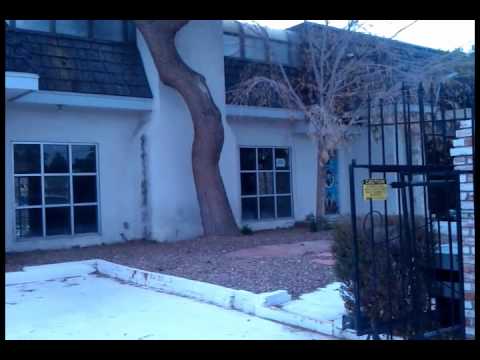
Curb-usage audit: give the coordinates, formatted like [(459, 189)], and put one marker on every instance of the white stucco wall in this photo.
[(277, 132), (119, 167), (358, 150), (175, 213)]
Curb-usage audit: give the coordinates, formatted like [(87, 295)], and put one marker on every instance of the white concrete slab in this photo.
[(322, 304), (89, 306), (50, 271)]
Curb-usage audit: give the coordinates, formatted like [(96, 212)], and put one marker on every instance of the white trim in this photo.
[(88, 100), (21, 81), (240, 111)]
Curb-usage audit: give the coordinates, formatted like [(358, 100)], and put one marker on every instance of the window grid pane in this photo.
[(28, 190), (55, 158), (28, 223), (57, 220), (27, 158), (108, 30), (72, 27), (279, 52), (35, 25), (231, 45), (255, 49), (85, 219), (53, 213)]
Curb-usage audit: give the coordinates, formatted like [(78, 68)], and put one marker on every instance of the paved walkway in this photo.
[(92, 307)]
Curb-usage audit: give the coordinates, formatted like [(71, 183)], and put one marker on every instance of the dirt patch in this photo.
[(285, 250), (215, 259)]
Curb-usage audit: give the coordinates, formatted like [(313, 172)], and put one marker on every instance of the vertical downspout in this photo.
[(146, 232)]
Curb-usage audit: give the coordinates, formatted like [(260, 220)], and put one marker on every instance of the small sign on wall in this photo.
[(374, 189), (280, 163)]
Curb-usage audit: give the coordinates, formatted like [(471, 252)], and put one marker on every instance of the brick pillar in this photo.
[(463, 160)]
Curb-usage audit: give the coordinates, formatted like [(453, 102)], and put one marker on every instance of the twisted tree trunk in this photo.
[(216, 214), (322, 159)]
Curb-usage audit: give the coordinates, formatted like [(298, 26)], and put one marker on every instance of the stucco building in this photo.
[(98, 150)]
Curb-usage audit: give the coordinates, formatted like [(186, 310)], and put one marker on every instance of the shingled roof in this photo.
[(77, 65)]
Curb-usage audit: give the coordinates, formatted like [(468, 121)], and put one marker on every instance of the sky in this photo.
[(436, 34)]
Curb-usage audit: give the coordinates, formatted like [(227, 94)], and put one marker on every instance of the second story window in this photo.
[(255, 49), (231, 45), (108, 30), (241, 41), (72, 27), (279, 52), (36, 25)]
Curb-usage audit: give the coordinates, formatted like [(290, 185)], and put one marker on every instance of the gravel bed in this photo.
[(205, 259)]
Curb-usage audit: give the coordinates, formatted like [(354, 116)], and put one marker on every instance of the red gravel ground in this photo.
[(215, 260)]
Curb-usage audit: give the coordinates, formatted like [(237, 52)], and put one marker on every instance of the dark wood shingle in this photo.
[(77, 65)]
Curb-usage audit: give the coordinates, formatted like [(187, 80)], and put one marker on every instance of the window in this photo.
[(295, 54), (110, 30), (72, 27), (279, 52), (255, 49), (265, 176), (55, 189), (36, 25), (231, 45)]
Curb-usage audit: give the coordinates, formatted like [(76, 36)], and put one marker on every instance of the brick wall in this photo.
[(463, 160)]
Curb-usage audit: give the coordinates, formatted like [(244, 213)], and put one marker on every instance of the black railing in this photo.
[(406, 273)]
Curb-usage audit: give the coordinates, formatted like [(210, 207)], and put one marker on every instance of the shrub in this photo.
[(245, 230), (323, 223), (317, 224), (386, 281), (312, 224)]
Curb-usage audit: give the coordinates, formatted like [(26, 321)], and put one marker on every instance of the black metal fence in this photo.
[(408, 265)]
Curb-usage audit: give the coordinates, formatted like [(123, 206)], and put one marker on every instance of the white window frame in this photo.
[(43, 206), (274, 194)]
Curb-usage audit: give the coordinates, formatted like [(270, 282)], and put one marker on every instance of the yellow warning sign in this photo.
[(375, 189)]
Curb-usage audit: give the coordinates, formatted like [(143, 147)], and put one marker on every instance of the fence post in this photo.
[(462, 153)]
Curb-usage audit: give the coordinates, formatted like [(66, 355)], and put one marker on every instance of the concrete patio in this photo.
[(70, 302)]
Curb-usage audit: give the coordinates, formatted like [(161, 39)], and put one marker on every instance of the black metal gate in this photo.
[(407, 264)]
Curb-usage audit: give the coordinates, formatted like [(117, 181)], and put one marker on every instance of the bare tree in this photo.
[(216, 214), (339, 69)]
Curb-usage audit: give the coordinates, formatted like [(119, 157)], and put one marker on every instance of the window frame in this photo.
[(43, 206), (275, 195), (90, 34), (242, 36)]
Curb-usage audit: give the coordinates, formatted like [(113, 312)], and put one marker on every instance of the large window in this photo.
[(72, 27), (231, 45), (255, 49), (55, 189), (110, 30), (279, 52), (266, 190), (35, 25)]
